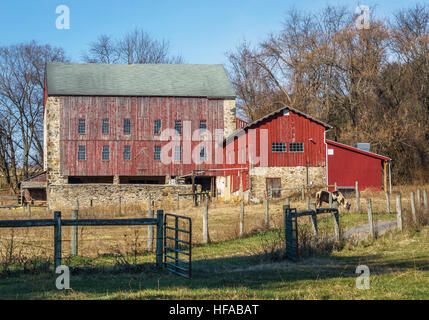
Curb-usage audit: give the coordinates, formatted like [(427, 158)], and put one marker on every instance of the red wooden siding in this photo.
[(239, 123), (284, 128), (142, 111), (348, 165)]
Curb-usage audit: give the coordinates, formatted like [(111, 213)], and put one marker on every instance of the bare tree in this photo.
[(372, 84), (135, 47), (103, 50), (22, 72)]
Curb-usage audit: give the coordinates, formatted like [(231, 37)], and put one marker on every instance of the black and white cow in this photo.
[(323, 196)]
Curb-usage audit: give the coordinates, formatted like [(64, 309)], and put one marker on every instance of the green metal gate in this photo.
[(291, 233), (178, 245)]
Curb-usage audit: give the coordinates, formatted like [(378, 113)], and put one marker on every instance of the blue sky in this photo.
[(201, 31)]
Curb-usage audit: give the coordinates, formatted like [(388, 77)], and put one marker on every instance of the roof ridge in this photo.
[(236, 132)]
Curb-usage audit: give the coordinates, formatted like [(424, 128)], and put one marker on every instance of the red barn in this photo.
[(347, 164), (296, 154), (112, 124), (284, 148)]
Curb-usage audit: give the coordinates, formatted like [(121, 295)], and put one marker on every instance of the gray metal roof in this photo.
[(181, 80)]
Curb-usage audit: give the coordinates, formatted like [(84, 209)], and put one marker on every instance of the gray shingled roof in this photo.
[(183, 80)]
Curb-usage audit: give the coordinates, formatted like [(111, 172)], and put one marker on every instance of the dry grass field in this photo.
[(29, 243), (240, 268)]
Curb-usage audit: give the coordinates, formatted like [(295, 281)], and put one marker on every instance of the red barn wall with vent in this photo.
[(281, 128), (285, 128)]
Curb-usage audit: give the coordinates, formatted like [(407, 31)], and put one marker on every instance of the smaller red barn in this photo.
[(346, 165)]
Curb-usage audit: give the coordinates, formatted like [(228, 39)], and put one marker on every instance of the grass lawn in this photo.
[(245, 269)]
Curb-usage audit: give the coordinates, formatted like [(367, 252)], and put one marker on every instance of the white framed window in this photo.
[(177, 153), (81, 153), (296, 147), (81, 127), (105, 153), (127, 152), (278, 147)]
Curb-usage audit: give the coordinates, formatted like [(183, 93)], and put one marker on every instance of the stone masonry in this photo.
[(52, 141), (229, 110), (290, 177), (64, 196)]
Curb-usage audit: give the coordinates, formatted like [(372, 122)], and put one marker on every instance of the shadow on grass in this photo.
[(249, 272)]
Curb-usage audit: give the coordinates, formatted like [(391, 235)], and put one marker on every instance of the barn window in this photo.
[(278, 147), (157, 127), (203, 125), (105, 126), (81, 128), (106, 153), (81, 153), (177, 153), (127, 153), (285, 112), (178, 126), (157, 153), (296, 147), (203, 154), (127, 126)]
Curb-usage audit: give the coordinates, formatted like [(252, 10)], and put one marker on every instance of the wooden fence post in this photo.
[(23, 209), (387, 202), (307, 206), (159, 237), (357, 198), (267, 213), (287, 202), (302, 192), (336, 217), (314, 225), (399, 212), (330, 200), (241, 218), (336, 186), (74, 235), (57, 239), (419, 198), (425, 198), (413, 207), (120, 205), (29, 209), (150, 213), (370, 220), (206, 236)]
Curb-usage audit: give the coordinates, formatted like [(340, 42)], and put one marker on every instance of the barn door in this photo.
[(274, 183)]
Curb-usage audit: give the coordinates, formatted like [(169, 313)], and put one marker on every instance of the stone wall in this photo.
[(229, 111), (290, 177), (52, 141), (64, 196)]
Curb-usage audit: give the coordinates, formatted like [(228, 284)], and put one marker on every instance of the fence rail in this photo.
[(57, 223), (11, 198)]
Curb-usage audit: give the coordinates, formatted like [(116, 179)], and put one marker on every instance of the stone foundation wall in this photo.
[(52, 141), (64, 196), (290, 177)]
